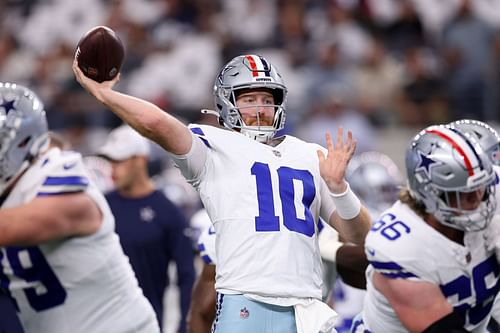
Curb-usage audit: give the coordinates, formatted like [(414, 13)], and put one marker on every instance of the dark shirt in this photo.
[(9, 322), (152, 233)]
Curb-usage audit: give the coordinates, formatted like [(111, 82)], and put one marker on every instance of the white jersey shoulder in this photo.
[(264, 202), (80, 284), (401, 245)]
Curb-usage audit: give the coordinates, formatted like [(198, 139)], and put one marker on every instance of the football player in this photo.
[(376, 179), (431, 269), (263, 194), (489, 140), (61, 261), (349, 260)]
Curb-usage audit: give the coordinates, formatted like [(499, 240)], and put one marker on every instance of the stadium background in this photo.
[(383, 68)]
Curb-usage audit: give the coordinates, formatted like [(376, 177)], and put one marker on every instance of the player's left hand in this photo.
[(333, 166)]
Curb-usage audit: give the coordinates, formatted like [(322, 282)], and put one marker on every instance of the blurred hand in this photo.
[(333, 166)]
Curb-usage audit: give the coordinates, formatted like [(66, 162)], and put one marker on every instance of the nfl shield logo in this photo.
[(244, 314)]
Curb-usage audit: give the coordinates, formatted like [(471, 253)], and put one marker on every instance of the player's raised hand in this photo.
[(93, 87), (334, 165)]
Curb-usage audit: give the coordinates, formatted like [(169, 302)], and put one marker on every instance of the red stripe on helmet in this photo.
[(457, 147), (253, 65)]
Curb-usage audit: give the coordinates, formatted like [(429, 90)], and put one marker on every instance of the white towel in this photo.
[(314, 317)]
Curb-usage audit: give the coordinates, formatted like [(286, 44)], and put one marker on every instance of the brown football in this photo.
[(100, 54)]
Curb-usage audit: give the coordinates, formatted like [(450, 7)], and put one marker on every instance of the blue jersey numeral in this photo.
[(267, 220), (463, 286), (52, 292), (389, 227)]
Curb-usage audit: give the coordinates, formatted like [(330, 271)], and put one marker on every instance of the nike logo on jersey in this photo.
[(68, 166), (370, 251)]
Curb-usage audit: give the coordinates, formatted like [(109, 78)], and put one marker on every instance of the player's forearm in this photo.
[(47, 219), (354, 230), (23, 226), (149, 120)]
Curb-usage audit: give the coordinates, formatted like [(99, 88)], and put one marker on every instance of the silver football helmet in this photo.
[(376, 179), (23, 131), (442, 163), (486, 136), (249, 72)]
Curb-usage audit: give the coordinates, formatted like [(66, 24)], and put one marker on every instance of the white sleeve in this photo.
[(327, 204), (193, 163)]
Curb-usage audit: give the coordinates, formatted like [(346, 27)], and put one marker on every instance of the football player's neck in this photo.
[(451, 233)]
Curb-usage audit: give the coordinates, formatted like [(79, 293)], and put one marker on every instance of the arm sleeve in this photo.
[(193, 163), (327, 204)]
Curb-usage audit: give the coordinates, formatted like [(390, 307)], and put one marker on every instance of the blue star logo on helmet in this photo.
[(426, 163), (8, 106)]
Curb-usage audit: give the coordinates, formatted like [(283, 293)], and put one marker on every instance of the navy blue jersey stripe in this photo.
[(68, 180), (48, 194), (399, 275), (201, 247), (198, 131), (386, 265)]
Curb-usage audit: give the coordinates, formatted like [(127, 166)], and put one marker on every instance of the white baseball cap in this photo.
[(123, 143)]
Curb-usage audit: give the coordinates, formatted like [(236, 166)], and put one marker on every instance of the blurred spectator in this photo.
[(468, 53), (246, 24), (422, 101), (151, 227), (16, 64), (173, 48), (336, 21), (407, 31), (334, 109), (291, 34), (377, 83)]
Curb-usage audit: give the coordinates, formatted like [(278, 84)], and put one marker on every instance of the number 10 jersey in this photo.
[(265, 203)]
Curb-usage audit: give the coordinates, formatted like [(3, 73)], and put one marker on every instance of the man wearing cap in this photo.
[(150, 226)]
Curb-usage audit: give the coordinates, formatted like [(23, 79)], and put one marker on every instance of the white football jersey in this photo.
[(401, 245), (264, 203), (79, 284)]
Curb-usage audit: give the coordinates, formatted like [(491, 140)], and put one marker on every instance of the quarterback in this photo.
[(263, 195)]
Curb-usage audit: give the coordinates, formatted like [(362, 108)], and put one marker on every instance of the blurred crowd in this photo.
[(365, 64)]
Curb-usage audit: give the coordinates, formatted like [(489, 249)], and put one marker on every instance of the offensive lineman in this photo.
[(60, 258)]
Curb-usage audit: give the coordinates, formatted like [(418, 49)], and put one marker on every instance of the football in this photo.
[(100, 54)]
